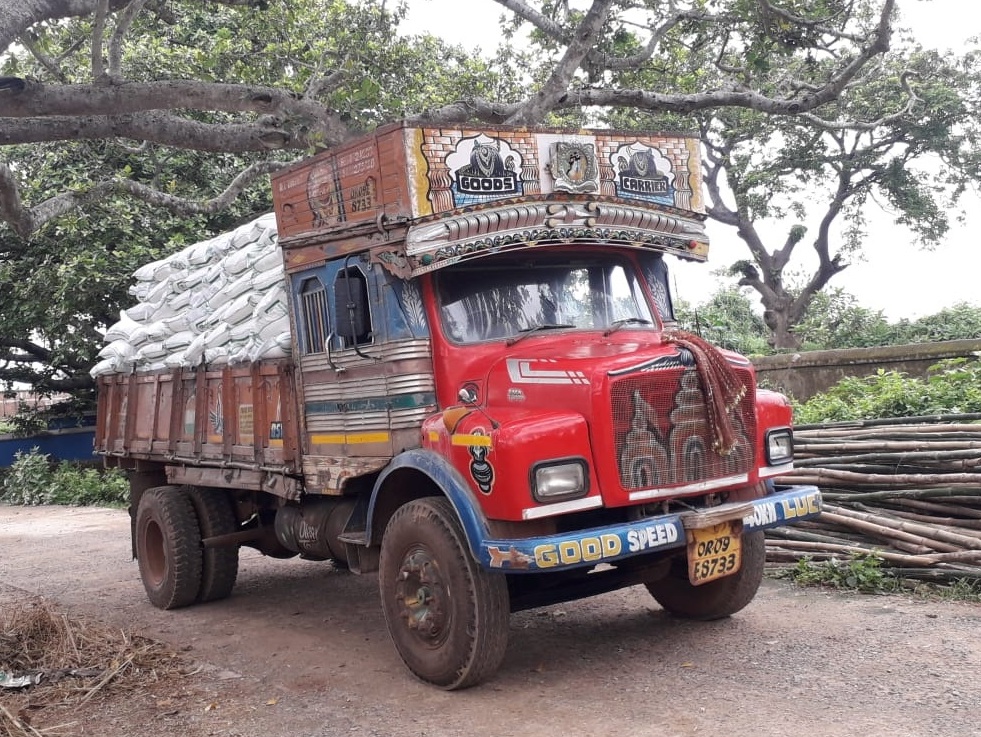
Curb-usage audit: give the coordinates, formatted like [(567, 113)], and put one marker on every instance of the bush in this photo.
[(953, 387), (862, 573), (32, 480), (27, 422)]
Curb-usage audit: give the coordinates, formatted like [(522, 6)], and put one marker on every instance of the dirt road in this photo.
[(300, 649)]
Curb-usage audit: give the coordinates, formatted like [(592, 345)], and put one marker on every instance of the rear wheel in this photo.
[(715, 599), (168, 547), (447, 616), (219, 566)]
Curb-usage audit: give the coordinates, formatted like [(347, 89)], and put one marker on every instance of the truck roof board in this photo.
[(407, 176)]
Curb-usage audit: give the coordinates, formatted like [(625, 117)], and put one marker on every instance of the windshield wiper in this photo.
[(617, 324), (525, 332)]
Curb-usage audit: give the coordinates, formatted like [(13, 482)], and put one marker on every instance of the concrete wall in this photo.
[(10, 404), (802, 375)]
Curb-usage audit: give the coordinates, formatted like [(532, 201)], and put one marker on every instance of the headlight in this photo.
[(559, 480), (779, 447)]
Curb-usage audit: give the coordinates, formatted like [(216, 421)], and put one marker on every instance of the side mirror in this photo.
[(351, 308)]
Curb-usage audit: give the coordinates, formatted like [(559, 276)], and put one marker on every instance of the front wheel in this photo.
[(447, 616), (715, 599)]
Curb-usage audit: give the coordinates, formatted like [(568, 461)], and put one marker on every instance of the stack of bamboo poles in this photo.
[(908, 490)]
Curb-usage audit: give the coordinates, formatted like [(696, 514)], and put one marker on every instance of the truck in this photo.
[(487, 401)]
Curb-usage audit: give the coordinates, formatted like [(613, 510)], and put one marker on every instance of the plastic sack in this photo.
[(219, 301)]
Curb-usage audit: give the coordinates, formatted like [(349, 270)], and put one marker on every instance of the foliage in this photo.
[(861, 572), (32, 480), (961, 589), (865, 574), (789, 183), (26, 422), (60, 293), (32, 420), (834, 319), (959, 322), (953, 386), (798, 105), (63, 287), (727, 319)]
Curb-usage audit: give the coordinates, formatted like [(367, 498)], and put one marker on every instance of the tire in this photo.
[(219, 566), (716, 599), (168, 547), (447, 616)]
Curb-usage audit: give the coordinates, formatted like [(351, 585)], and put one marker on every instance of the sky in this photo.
[(895, 275)]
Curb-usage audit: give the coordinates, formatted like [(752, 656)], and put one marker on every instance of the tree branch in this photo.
[(124, 22), (713, 164), (41, 100), (25, 220), (608, 62), (619, 64), (43, 59), (32, 352), (320, 84), (42, 382), (542, 22), (98, 33), (263, 135), (681, 103), (16, 18), (12, 209), (183, 206), (821, 26), (486, 111), (555, 88), (912, 100)]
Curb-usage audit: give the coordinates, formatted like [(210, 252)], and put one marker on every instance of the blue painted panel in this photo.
[(786, 505), (72, 445), (653, 534)]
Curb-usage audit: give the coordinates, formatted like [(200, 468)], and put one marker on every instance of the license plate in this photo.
[(714, 552)]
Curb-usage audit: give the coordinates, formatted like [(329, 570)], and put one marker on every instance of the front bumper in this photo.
[(649, 535)]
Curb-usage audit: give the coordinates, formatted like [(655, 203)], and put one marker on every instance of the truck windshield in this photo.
[(505, 297)]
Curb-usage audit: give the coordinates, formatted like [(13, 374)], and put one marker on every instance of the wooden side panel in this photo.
[(394, 191), (353, 184), (241, 416)]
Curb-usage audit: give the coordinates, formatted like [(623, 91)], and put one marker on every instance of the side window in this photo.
[(656, 275), (352, 312), (313, 298)]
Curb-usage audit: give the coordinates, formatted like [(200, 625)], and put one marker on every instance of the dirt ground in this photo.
[(300, 649)]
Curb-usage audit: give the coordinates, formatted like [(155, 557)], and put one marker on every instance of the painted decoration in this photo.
[(643, 172), (573, 167), (462, 191), (483, 169)]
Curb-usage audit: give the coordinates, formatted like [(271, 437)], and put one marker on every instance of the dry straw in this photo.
[(73, 661)]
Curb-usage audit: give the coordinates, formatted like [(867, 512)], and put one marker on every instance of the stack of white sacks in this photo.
[(221, 301)]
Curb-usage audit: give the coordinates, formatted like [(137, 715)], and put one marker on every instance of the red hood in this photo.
[(557, 370)]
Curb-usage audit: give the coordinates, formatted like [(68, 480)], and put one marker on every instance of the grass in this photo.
[(865, 574)]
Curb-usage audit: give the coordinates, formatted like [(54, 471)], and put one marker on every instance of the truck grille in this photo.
[(661, 428)]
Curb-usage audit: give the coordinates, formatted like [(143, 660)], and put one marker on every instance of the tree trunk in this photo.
[(781, 325)]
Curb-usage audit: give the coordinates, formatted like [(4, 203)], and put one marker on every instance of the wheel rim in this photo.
[(154, 557), (421, 597)]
